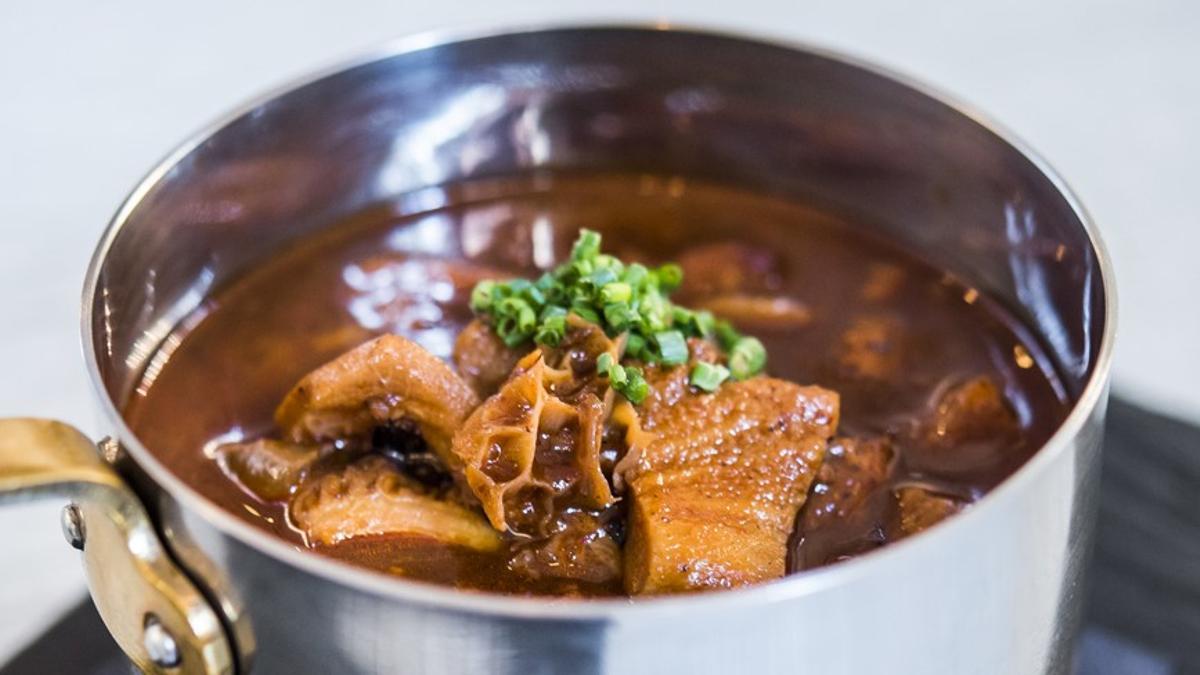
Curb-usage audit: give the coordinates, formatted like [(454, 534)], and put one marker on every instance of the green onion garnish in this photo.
[(551, 331), (587, 246), (636, 388), (481, 296), (669, 277), (623, 299), (616, 291), (747, 358), (672, 349), (708, 376)]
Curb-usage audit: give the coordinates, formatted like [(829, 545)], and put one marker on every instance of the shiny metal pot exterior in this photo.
[(995, 590)]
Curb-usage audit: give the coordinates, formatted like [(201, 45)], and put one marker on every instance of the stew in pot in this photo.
[(596, 385)]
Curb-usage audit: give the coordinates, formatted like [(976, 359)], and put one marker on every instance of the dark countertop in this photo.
[(1143, 600)]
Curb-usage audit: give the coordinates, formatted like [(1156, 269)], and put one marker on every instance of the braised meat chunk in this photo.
[(371, 497), (872, 348), (974, 410), (715, 494), (389, 379), (729, 267), (921, 509), (582, 548), (967, 428), (482, 358), (846, 507), (268, 468)]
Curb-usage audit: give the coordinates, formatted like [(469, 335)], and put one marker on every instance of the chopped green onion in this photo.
[(580, 269), (747, 358), (535, 295), (672, 348), (481, 296), (628, 302), (586, 246), (519, 286), (708, 376), (669, 277), (551, 331), (509, 335), (605, 261), (585, 312), (693, 324), (636, 388), (602, 277), (635, 346), (604, 362), (653, 310), (635, 274), (519, 309), (615, 291), (727, 336), (618, 377), (619, 317)]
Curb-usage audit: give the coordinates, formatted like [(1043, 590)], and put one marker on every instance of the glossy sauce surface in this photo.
[(891, 334)]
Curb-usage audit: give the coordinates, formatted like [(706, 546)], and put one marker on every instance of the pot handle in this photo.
[(155, 613)]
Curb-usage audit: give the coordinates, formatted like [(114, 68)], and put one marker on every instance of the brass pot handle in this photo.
[(156, 614)]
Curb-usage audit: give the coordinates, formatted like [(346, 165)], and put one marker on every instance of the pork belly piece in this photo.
[(848, 501), (921, 509), (482, 358), (268, 468), (715, 494), (372, 497), (387, 380)]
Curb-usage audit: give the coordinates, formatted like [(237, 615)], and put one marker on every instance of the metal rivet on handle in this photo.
[(159, 643), (72, 525)]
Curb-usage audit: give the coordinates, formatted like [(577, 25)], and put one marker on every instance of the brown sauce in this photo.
[(891, 334)]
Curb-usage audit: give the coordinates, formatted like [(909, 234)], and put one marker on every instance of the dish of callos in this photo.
[(597, 385)]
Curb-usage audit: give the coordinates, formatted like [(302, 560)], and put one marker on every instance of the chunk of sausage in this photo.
[(715, 494), (372, 497), (389, 379)]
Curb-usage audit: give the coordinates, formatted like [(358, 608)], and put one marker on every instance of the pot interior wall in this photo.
[(782, 121)]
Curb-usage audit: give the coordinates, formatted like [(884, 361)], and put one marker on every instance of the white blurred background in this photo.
[(93, 92)]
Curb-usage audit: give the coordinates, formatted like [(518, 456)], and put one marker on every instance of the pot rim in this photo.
[(486, 604)]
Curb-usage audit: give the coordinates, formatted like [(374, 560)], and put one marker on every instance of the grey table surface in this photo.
[(92, 92)]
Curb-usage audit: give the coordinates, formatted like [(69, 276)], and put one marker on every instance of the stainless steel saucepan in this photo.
[(184, 586)]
